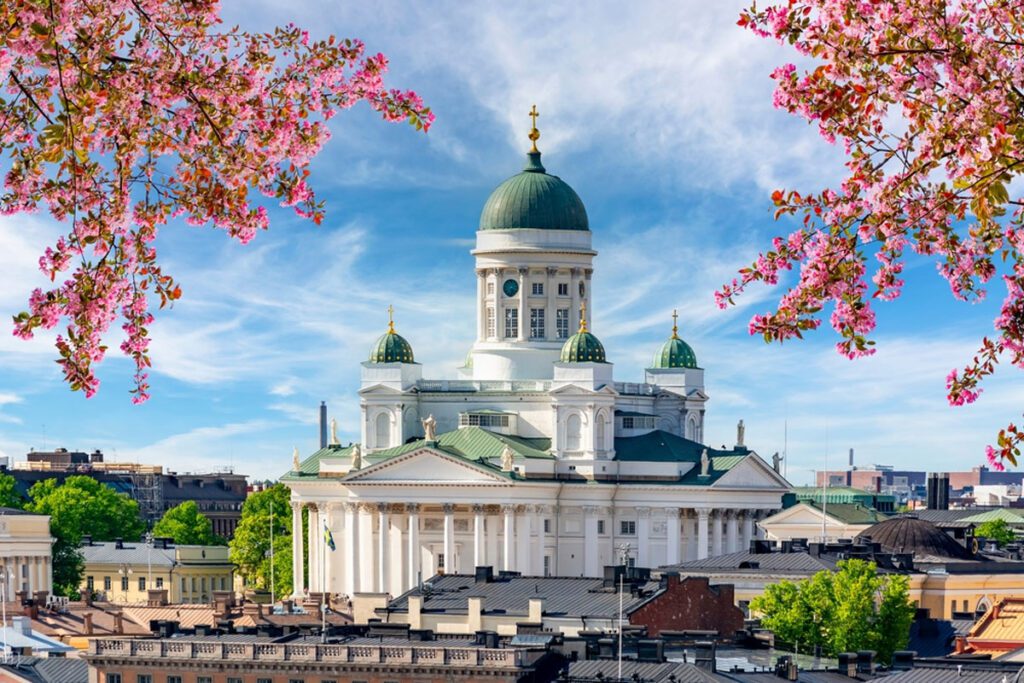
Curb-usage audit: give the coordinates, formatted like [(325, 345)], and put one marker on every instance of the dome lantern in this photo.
[(391, 347), (675, 353)]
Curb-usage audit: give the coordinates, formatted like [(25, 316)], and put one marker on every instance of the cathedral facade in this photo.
[(533, 458)]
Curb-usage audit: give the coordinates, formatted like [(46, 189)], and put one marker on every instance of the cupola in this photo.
[(391, 347), (675, 353), (583, 347)]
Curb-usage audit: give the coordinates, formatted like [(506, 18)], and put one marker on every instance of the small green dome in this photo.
[(675, 353), (583, 347), (534, 199), (391, 347)]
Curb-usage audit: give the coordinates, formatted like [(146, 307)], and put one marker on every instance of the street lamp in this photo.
[(125, 571), (149, 559), (624, 555)]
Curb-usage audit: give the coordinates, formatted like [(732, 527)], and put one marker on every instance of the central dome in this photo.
[(534, 199), (912, 535)]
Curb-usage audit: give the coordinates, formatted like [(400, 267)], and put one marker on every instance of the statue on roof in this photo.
[(295, 459), (776, 461), (429, 428), (507, 458), (741, 431), (357, 457), (334, 432), (705, 464)]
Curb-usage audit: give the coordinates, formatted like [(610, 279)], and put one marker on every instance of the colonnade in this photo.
[(390, 547), (26, 572)]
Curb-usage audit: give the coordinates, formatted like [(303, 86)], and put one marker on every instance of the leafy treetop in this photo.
[(186, 525)]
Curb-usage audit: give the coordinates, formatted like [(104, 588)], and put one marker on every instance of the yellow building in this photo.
[(26, 561), (123, 572)]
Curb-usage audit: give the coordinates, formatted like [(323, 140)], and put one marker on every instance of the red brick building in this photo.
[(690, 604)]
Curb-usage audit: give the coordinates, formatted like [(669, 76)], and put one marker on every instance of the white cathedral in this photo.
[(534, 459)]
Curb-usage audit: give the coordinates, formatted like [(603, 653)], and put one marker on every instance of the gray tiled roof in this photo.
[(757, 563), (570, 597), (131, 553), (49, 669), (934, 637), (647, 671), (949, 674)]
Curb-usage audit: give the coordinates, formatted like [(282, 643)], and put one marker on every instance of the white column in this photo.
[(414, 543), (351, 546), (523, 527), (643, 536), (574, 290), (732, 537), (479, 551), (499, 304), (716, 533), (758, 531), (540, 513), (382, 548), (550, 317), (327, 559), (524, 310), (508, 541), (591, 556), (298, 563), (481, 305), (367, 550), (702, 533), (748, 529), (689, 522), (672, 536), (493, 540), (449, 539), (314, 547), (398, 565)]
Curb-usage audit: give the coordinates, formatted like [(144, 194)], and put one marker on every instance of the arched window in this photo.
[(601, 432), (573, 427), (383, 425), (691, 429)]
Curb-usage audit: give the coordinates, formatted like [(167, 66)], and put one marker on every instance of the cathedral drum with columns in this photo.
[(534, 458)]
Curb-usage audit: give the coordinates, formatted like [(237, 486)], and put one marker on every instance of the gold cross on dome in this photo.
[(583, 316), (391, 318), (534, 133), (675, 326)]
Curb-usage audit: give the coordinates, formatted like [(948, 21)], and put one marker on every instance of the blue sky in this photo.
[(659, 117)]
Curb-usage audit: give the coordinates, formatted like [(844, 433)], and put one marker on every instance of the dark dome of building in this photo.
[(913, 535)]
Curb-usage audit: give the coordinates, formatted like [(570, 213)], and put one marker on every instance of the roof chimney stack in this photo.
[(323, 424), (851, 458)]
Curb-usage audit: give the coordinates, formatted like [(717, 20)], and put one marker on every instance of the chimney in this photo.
[(41, 597), (960, 645), (866, 661), (85, 595), (323, 424), (484, 574), (119, 543), (474, 612), (156, 597), (536, 610), (30, 609), (704, 656), (22, 625), (287, 605), (87, 623), (118, 623), (415, 611), (848, 664), (253, 609), (851, 458)]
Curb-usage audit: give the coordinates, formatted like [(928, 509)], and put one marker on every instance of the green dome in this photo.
[(534, 199), (583, 347), (391, 347), (675, 353)]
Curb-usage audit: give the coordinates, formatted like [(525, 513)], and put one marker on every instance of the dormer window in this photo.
[(491, 420), (629, 421)]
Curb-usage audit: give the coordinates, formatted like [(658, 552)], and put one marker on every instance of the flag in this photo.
[(328, 537)]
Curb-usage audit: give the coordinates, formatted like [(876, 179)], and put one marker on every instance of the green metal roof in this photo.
[(391, 347), (675, 353), (474, 443), (1008, 516), (662, 446), (840, 494), (534, 199), (848, 513), (583, 347), (310, 467)]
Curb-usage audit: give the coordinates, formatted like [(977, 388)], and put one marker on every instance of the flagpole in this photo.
[(272, 601), (323, 588)]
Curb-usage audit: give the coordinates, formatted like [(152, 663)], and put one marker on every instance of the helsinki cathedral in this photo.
[(533, 458)]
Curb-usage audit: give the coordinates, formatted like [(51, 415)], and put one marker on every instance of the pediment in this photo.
[(381, 389), (752, 472), (426, 466), (697, 393), (800, 513), (577, 389)]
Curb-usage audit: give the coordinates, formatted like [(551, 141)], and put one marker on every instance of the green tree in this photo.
[(187, 526), (9, 496), (850, 609), (79, 506), (996, 530), (250, 546)]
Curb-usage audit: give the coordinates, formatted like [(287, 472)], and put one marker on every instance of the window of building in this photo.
[(573, 433), (159, 582), (490, 288), (563, 289), (124, 583), (483, 420), (627, 527), (184, 585), (204, 679), (296, 680), (89, 583), (440, 561), (638, 422), (600, 526), (142, 583), (562, 323), (538, 289), (113, 678), (492, 325), (264, 680), (144, 678), (383, 430), (234, 680), (202, 585), (547, 563), (174, 679), (511, 323), (536, 323), (547, 526), (223, 583), (106, 583)]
